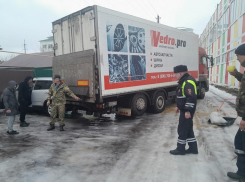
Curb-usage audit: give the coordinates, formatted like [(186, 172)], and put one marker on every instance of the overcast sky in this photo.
[(30, 20)]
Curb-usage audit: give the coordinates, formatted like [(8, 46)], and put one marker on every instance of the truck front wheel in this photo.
[(139, 104), (159, 102)]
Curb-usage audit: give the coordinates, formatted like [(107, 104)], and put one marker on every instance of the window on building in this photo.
[(211, 37), (50, 46), (44, 46), (232, 56), (217, 60), (224, 58), (219, 28), (214, 32), (242, 7), (225, 18), (234, 11), (204, 43)]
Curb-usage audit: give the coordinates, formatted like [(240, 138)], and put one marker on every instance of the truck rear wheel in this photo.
[(202, 92), (138, 104), (159, 101)]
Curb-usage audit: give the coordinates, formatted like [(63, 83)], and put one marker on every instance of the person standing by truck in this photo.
[(11, 105), (24, 98), (186, 104), (240, 108), (58, 92)]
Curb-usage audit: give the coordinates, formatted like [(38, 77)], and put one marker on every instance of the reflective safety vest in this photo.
[(191, 82)]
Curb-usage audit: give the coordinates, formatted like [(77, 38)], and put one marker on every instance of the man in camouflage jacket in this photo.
[(240, 108), (57, 92)]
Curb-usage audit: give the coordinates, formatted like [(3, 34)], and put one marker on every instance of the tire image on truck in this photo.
[(118, 63), (116, 37)]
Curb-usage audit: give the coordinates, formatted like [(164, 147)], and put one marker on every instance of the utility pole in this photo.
[(24, 46), (158, 18)]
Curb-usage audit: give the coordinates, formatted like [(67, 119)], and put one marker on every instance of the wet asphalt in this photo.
[(115, 149)]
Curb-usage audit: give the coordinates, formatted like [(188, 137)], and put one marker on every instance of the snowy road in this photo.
[(121, 150)]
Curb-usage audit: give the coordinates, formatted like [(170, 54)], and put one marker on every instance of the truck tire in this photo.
[(138, 104), (159, 102), (202, 92)]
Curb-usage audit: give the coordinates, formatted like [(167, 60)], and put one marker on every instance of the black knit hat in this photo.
[(180, 68), (56, 76), (240, 50)]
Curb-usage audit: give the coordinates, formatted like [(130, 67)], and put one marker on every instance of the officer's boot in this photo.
[(52, 127), (62, 128), (240, 174), (192, 148), (177, 152)]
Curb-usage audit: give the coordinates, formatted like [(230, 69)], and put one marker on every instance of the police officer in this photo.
[(240, 108), (58, 92), (186, 104)]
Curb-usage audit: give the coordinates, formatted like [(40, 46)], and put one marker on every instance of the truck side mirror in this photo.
[(212, 61)]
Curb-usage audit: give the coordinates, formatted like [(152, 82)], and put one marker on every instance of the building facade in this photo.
[(47, 44), (223, 34)]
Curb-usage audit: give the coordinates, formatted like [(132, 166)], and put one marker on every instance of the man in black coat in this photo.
[(24, 98), (11, 105), (186, 104)]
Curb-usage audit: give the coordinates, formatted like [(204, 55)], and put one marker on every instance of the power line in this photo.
[(86, 2), (149, 8), (143, 8), (152, 6), (131, 4)]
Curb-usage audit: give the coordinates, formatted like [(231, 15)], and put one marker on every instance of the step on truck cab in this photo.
[(119, 63)]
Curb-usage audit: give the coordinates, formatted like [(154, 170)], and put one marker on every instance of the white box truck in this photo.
[(116, 62)]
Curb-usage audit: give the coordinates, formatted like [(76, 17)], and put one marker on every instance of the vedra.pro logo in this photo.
[(157, 38)]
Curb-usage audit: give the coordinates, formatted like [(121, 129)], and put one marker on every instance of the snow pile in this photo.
[(216, 119)]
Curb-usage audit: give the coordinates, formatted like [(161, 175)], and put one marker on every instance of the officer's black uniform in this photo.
[(186, 102), (240, 151)]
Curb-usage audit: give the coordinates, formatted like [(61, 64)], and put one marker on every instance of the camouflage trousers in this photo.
[(60, 111)]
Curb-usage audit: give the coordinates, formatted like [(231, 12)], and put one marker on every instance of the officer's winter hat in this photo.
[(180, 68), (240, 50), (56, 76)]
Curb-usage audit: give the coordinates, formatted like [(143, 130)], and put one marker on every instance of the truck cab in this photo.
[(203, 82)]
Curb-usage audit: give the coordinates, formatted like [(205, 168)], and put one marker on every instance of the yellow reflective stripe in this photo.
[(191, 82)]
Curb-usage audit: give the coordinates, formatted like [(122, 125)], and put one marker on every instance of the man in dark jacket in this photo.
[(24, 98), (240, 108), (186, 104), (11, 105)]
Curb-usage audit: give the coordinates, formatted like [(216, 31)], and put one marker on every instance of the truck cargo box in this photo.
[(101, 53)]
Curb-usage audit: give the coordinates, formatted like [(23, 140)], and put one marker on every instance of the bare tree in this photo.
[(6, 57)]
